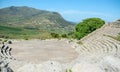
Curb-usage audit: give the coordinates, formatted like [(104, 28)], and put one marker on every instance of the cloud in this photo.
[(77, 12), (77, 15)]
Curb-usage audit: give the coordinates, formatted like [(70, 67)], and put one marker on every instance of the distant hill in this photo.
[(31, 16), (33, 19)]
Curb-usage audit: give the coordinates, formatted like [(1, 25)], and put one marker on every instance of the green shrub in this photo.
[(0, 39), (54, 35), (26, 39), (68, 70), (5, 40), (64, 35), (80, 42), (115, 37), (87, 26)]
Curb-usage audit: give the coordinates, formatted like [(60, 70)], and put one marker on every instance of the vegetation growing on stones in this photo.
[(115, 37), (55, 35)]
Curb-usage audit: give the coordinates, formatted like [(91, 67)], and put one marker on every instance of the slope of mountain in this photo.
[(33, 19), (29, 16)]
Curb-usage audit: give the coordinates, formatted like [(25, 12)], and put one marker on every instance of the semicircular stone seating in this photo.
[(98, 52), (5, 58)]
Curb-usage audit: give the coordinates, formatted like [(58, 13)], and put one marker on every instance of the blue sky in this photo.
[(73, 10)]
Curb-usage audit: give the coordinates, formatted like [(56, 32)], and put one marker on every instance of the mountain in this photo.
[(30, 17), (26, 21)]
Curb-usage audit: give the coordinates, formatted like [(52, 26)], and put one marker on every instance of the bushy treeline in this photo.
[(55, 35), (87, 26), (82, 29)]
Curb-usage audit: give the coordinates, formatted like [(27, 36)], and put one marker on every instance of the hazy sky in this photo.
[(73, 10)]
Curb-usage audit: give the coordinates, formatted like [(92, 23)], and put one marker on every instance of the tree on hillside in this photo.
[(55, 35), (87, 26)]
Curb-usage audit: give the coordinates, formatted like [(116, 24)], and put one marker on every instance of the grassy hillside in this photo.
[(27, 16), (27, 33), (11, 32), (27, 22)]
